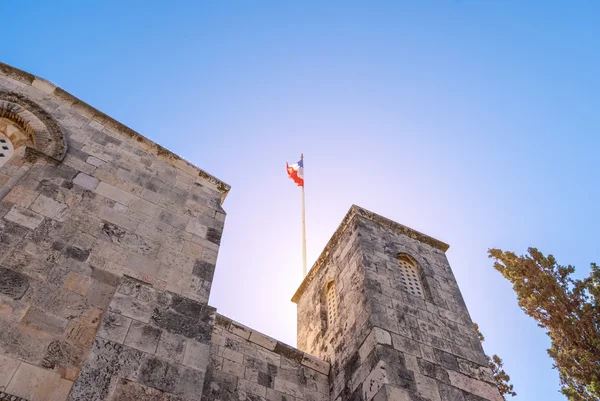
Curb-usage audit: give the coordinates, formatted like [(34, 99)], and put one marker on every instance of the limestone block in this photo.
[(377, 336), (406, 345), (131, 307), (62, 355), (477, 387), (114, 327), (171, 378), (39, 320), (24, 217), (287, 387), (25, 345), (86, 181), (143, 337), (142, 264), (315, 363), (78, 164), (12, 283), (127, 390), (8, 367), (196, 355), (99, 294), (114, 193), (449, 393), (233, 356), (392, 393), (171, 346), (240, 330), (196, 228), (12, 310), (262, 340), (117, 218), (94, 161), (233, 368), (145, 207), (106, 362), (274, 395), (21, 196), (77, 283), (427, 387), (37, 384), (251, 387)]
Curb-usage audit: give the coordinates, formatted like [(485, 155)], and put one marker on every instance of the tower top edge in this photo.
[(367, 214)]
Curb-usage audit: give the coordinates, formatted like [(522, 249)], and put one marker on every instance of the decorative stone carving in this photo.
[(44, 135)]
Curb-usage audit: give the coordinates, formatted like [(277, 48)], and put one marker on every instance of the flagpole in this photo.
[(303, 229)]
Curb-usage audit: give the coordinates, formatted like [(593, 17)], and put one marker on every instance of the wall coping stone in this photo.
[(277, 347), (364, 213), (109, 122)]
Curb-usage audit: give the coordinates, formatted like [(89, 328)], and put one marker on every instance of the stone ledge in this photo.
[(109, 122), (364, 213), (271, 344)]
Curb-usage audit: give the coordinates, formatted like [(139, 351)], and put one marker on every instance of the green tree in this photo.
[(500, 376), (567, 308)]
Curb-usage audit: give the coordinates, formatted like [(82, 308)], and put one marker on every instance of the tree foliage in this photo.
[(567, 308), (502, 379)]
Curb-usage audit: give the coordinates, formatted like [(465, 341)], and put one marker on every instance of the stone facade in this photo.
[(388, 344), (86, 206), (108, 246), (247, 365)]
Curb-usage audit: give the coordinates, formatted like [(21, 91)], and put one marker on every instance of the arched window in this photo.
[(331, 303), (6, 148), (410, 275)]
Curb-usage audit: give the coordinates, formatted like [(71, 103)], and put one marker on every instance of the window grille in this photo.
[(332, 305), (410, 276)]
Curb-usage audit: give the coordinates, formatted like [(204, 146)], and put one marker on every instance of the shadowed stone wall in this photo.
[(411, 347), (247, 365), (84, 201)]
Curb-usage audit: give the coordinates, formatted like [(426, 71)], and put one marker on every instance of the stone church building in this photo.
[(108, 246)]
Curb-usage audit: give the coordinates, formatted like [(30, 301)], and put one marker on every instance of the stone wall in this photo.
[(411, 346), (78, 215), (247, 365), (152, 345)]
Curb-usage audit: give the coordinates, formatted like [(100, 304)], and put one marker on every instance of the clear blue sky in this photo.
[(474, 121)]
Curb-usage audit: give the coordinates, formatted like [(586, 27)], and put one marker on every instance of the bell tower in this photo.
[(382, 306)]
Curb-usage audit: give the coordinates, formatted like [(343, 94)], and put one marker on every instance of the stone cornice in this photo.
[(364, 213), (110, 123)]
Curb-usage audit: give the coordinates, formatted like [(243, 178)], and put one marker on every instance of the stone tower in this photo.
[(382, 306)]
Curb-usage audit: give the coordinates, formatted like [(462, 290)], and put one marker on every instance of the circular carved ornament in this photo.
[(45, 135)]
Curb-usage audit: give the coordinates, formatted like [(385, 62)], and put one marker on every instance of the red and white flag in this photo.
[(296, 172)]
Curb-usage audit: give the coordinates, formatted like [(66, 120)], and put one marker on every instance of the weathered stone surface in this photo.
[(186, 326), (171, 347), (62, 354), (114, 327), (171, 378), (24, 217), (143, 337), (37, 384), (127, 390), (131, 307), (107, 362), (8, 367), (13, 284)]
